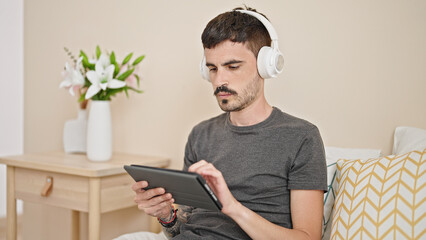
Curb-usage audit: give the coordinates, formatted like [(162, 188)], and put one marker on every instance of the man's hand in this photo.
[(154, 202), (217, 183)]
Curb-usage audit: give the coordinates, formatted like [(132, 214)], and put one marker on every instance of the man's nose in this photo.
[(220, 78)]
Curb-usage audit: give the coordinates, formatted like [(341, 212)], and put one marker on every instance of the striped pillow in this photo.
[(382, 198), (332, 155)]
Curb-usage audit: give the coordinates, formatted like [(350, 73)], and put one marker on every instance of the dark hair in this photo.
[(237, 27)]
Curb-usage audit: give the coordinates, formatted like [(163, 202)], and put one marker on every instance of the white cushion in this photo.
[(407, 139), (142, 236)]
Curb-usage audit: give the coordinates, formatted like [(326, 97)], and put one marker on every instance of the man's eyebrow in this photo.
[(232, 62), (225, 64)]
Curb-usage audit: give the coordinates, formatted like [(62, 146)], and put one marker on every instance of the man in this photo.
[(266, 167)]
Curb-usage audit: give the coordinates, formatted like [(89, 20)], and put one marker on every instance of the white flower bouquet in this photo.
[(102, 77)]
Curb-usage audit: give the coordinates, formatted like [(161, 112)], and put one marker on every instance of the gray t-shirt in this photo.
[(260, 163)]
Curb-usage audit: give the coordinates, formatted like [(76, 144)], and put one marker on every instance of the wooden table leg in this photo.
[(11, 204), (94, 208), (75, 225)]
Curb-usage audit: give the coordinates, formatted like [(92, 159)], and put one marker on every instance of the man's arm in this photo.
[(306, 214), (182, 214), (306, 209)]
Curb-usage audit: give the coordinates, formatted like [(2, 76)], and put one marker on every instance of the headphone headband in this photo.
[(265, 22)]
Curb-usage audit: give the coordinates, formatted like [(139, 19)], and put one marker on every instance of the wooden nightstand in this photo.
[(72, 181)]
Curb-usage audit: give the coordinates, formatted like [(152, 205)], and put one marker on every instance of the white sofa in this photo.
[(370, 196)]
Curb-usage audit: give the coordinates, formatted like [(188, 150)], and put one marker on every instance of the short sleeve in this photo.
[(308, 170), (189, 157)]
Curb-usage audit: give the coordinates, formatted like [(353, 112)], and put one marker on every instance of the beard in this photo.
[(239, 101)]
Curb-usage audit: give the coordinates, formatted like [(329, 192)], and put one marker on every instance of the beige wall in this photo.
[(356, 69)]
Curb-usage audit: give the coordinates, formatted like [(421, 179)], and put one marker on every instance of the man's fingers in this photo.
[(161, 210), (138, 186), (153, 192), (155, 202), (211, 172), (159, 203), (194, 167), (159, 200), (205, 168), (149, 198)]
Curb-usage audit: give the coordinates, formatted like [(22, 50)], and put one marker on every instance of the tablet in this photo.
[(187, 188)]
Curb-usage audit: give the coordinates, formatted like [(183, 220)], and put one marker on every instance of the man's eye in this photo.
[(233, 67), (212, 69)]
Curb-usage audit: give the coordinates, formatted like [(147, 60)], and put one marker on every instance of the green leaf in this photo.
[(82, 97), (138, 60), (102, 95), (87, 83), (136, 90), (125, 90), (138, 79), (111, 92), (85, 61), (88, 65), (116, 69), (96, 97), (125, 74), (112, 58), (127, 58), (98, 52), (82, 54)]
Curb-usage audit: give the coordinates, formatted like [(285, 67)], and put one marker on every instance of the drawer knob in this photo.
[(48, 186)]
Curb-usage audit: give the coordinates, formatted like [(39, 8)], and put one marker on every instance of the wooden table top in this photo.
[(78, 164)]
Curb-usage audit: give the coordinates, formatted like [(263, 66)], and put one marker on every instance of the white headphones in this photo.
[(270, 61)]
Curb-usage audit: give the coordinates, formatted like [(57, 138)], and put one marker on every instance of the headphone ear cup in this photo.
[(270, 62), (262, 61), (204, 70)]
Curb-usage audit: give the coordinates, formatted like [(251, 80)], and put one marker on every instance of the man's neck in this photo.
[(255, 113)]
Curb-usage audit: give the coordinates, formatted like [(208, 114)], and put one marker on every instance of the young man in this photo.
[(266, 167)]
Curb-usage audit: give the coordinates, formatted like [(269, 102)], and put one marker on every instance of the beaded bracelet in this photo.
[(172, 222)]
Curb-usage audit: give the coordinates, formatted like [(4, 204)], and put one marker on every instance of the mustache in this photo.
[(224, 89)]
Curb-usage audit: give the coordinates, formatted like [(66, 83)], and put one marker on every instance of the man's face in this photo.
[(233, 73)]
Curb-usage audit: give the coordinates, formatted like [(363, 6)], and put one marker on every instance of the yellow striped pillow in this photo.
[(381, 198)]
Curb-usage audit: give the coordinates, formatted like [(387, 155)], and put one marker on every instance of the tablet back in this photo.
[(187, 188)]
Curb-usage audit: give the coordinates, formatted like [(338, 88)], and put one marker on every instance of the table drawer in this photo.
[(68, 191), (117, 193)]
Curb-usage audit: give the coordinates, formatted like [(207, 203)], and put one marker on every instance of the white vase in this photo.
[(99, 133), (74, 137)]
